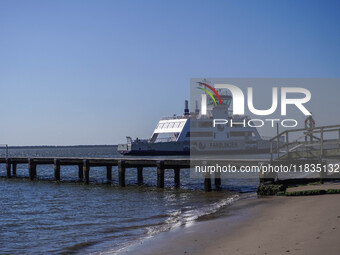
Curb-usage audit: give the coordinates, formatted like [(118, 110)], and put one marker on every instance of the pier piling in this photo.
[(80, 172), (207, 182), (109, 173), (177, 177), (218, 180), (14, 169), (8, 167), (140, 175), (160, 174), (31, 169), (121, 173), (56, 169), (86, 170)]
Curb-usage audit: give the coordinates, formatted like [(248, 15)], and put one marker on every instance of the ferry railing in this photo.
[(171, 139), (175, 117), (311, 139), (137, 140)]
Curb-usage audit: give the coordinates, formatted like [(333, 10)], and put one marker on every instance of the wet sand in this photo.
[(275, 225)]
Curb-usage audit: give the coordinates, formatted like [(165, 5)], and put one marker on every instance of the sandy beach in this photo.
[(274, 225)]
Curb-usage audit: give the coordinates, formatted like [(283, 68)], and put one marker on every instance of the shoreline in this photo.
[(220, 212), (271, 225)]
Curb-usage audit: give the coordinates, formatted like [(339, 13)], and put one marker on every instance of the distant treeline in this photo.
[(56, 146)]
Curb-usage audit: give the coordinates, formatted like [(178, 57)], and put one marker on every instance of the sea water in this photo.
[(45, 217)]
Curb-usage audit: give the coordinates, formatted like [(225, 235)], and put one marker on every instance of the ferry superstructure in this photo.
[(193, 132)]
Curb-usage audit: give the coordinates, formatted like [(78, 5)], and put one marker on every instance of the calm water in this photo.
[(44, 217)]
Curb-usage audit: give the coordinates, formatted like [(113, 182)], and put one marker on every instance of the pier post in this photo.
[(56, 169), (160, 174), (14, 169), (31, 169), (121, 173), (80, 172), (109, 173), (86, 170), (177, 177), (323, 173), (8, 167), (218, 180), (140, 175), (207, 182)]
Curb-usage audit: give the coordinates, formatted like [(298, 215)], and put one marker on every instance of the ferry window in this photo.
[(166, 137), (182, 124), (205, 124), (160, 125), (237, 133), (166, 125), (154, 137), (201, 134), (171, 125), (226, 102), (177, 124)]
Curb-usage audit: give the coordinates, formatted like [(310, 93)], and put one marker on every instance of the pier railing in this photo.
[(310, 143)]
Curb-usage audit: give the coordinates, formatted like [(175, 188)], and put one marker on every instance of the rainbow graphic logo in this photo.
[(209, 93)]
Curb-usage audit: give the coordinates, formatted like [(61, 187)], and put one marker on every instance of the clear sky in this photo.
[(93, 72)]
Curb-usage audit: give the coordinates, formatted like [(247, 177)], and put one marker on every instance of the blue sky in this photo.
[(93, 72)]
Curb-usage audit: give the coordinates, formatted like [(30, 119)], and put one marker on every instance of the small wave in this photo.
[(187, 217), (75, 248), (177, 218)]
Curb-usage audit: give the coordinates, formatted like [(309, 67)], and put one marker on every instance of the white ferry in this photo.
[(193, 132)]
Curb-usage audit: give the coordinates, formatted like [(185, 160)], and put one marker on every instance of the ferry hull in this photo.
[(155, 153), (183, 148), (178, 153)]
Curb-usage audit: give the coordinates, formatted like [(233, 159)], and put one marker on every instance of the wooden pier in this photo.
[(310, 147), (85, 164)]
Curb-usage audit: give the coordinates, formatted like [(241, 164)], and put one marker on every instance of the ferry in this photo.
[(194, 133)]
